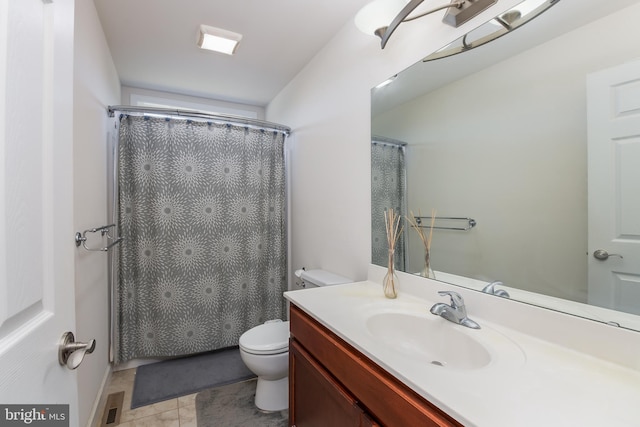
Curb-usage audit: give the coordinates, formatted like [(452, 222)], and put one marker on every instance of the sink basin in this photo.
[(430, 340)]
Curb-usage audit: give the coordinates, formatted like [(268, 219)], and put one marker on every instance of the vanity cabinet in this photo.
[(333, 384)]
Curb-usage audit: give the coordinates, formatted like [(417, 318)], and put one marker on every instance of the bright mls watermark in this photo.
[(34, 415)]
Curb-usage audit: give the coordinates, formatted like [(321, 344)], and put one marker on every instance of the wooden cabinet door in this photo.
[(377, 392), (316, 399)]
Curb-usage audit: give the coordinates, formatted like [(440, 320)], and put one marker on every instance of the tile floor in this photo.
[(180, 412)]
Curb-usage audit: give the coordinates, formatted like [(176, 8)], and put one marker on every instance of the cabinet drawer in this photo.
[(376, 391)]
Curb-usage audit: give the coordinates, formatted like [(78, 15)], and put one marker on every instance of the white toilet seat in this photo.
[(268, 338)]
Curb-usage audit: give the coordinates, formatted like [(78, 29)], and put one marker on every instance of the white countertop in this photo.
[(530, 381)]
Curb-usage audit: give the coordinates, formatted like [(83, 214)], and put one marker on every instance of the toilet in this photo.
[(265, 348)]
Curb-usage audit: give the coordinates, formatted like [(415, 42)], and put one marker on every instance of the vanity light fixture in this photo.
[(377, 18), (503, 24), (218, 40), (386, 82), (516, 13)]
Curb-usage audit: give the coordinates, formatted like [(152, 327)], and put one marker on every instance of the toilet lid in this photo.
[(269, 338)]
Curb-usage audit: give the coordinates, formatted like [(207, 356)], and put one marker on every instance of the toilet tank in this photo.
[(316, 278)]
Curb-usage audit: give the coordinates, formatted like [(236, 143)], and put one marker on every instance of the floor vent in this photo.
[(112, 410)]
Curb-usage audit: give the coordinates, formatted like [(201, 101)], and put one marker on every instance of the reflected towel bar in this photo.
[(470, 222), (81, 238)]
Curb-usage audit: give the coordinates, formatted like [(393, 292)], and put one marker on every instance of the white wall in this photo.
[(328, 107), (172, 100), (96, 85)]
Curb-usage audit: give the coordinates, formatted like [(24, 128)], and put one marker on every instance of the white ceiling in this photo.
[(153, 43)]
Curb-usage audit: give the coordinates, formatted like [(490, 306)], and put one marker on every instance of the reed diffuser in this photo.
[(393, 229), (426, 241)]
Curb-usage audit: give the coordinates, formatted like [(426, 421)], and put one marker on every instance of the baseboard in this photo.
[(135, 363), (95, 417)]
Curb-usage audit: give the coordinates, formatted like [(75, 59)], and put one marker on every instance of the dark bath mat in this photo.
[(178, 377), (233, 406)]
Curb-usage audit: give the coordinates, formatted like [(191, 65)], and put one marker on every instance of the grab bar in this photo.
[(470, 222), (81, 238)]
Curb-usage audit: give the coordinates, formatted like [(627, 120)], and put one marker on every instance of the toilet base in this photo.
[(272, 395)]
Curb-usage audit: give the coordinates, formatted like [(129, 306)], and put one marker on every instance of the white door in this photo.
[(613, 105), (36, 190)]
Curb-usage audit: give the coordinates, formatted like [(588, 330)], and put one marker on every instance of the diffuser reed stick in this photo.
[(393, 230)]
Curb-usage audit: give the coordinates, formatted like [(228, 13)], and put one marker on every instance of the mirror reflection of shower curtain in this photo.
[(202, 213), (388, 190)]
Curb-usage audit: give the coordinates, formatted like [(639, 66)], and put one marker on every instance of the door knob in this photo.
[(71, 353), (603, 255)]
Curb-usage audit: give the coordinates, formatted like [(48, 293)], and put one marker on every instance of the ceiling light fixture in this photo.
[(218, 40), (374, 18)]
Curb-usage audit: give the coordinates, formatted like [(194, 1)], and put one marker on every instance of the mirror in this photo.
[(498, 137)]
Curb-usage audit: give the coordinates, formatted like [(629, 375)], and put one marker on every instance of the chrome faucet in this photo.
[(491, 289), (456, 312)]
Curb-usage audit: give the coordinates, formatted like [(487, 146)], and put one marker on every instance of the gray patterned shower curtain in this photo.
[(388, 190), (202, 213)]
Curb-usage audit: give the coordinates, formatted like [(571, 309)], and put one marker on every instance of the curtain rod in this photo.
[(385, 140), (200, 115)]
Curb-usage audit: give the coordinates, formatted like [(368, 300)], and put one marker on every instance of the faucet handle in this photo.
[(456, 298), (491, 289)]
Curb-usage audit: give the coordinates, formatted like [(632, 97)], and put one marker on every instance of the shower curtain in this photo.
[(202, 213), (388, 190)]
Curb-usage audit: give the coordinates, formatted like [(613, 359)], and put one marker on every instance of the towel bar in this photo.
[(81, 238)]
